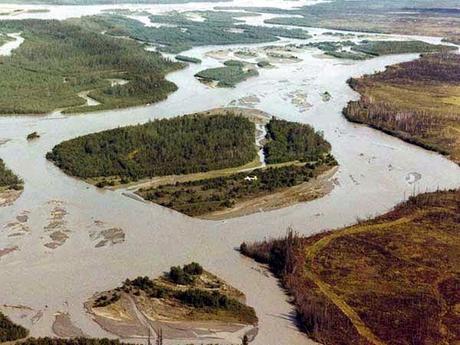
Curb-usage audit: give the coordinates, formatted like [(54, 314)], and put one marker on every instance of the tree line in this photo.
[(181, 145), (290, 141)]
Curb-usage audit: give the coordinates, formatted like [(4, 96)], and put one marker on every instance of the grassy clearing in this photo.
[(382, 281)]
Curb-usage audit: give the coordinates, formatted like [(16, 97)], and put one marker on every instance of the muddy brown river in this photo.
[(52, 274)]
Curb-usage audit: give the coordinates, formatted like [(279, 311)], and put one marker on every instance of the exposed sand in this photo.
[(64, 328), (140, 317), (9, 196)]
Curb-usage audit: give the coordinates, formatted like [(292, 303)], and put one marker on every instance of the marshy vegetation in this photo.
[(47, 72), (177, 32), (180, 145), (426, 18), (390, 280), (416, 101)]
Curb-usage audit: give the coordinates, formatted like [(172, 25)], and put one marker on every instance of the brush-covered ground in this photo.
[(60, 59), (186, 295), (390, 280), (417, 101), (405, 17)]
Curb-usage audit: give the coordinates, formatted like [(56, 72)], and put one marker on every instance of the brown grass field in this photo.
[(417, 101), (390, 280)]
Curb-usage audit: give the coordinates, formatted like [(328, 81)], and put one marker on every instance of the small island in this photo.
[(190, 59), (263, 163), (32, 136), (197, 303), (232, 73)]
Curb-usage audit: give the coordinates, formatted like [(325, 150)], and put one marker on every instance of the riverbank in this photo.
[(415, 101), (378, 282)]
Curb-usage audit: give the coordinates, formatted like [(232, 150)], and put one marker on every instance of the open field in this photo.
[(416, 101), (381, 281)]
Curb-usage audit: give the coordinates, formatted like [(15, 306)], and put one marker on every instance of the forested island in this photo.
[(187, 296), (47, 73), (389, 280), (295, 153), (182, 145), (417, 101), (232, 73)]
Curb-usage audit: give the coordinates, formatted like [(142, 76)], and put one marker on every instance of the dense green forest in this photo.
[(9, 331), (290, 141), (200, 197), (8, 179), (59, 59), (227, 76), (181, 145), (182, 33)]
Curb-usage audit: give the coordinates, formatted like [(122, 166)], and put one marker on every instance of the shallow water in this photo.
[(376, 172)]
